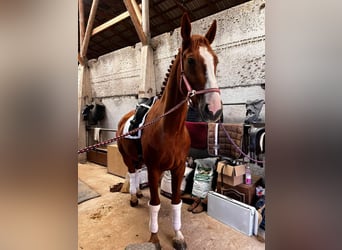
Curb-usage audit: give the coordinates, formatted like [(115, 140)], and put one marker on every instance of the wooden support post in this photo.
[(145, 21), (147, 87), (84, 90), (84, 97), (89, 28), (135, 15), (81, 20), (80, 59)]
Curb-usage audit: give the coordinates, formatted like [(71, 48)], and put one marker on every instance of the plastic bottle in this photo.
[(248, 176)]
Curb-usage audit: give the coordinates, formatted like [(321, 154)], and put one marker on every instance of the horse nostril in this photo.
[(210, 113), (218, 115), (206, 109)]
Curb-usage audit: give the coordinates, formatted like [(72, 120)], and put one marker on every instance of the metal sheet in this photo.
[(233, 213)]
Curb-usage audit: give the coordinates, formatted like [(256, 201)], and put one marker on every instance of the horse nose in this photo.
[(213, 101), (211, 116)]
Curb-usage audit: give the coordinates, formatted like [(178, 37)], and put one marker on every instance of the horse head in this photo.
[(198, 65)]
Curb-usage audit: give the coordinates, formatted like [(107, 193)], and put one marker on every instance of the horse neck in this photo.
[(173, 96)]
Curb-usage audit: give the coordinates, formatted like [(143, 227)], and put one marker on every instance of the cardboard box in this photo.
[(115, 163), (231, 175)]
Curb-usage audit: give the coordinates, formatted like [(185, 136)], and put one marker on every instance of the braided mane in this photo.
[(166, 78)]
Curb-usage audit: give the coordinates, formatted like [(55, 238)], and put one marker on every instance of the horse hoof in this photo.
[(134, 203), (157, 246), (154, 239), (179, 244)]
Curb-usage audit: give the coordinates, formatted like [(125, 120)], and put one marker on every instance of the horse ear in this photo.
[(211, 32), (185, 30)]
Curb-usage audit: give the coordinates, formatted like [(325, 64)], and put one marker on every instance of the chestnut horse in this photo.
[(165, 142)]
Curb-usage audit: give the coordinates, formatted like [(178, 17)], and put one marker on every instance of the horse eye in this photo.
[(191, 61)]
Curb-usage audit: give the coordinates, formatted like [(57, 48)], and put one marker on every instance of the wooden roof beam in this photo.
[(111, 22), (135, 14), (89, 28)]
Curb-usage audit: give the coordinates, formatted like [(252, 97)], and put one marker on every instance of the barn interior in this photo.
[(125, 48)]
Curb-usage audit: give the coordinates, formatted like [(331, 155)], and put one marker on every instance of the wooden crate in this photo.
[(115, 163), (243, 192), (98, 156)]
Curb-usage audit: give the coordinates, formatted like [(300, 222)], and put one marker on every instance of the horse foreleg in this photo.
[(154, 207), (153, 224), (176, 203), (178, 241)]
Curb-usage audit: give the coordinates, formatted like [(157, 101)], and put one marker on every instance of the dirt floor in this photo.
[(108, 222)]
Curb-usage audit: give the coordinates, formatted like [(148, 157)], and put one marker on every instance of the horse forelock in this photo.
[(199, 41)]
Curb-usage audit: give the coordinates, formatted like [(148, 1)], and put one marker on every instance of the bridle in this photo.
[(191, 92)]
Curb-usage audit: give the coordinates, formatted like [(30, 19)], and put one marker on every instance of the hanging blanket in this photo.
[(218, 142), (198, 132)]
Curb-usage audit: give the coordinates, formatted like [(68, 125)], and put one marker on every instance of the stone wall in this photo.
[(239, 44)]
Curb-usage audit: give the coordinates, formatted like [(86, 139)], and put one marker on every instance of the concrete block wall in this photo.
[(239, 44)]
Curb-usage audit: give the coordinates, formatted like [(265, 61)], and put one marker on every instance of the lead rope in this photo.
[(237, 147), (86, 149)]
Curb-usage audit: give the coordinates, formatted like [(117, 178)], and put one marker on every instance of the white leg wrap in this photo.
[(137, 179), (154, 210), (176, 216), (132, 187)]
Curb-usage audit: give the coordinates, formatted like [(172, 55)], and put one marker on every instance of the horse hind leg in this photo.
[(134, 187), (137, 183), (138, 165), (133, 178)]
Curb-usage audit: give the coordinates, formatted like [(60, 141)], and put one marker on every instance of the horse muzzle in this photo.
[(209, 116), (209, 105)]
